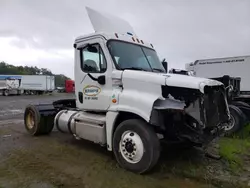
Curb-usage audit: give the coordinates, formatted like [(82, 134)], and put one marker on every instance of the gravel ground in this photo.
[(13, 106), (58, 160)]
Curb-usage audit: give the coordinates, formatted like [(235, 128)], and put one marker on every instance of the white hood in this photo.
[(171, 79), (105, 22)]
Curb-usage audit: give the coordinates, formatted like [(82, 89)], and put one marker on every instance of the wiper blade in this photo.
[(160, 70), (134, 68)]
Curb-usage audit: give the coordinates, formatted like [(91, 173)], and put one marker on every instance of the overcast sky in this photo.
[(41, 33)]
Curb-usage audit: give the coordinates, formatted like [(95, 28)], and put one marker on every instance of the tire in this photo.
[(245, 108), (236, 121), (240, 103), (6, 93), (35, 124), (142, 134)]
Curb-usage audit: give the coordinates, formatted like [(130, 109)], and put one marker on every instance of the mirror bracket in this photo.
[(165, 65), (100, 79)]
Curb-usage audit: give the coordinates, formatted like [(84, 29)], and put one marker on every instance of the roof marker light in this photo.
[(138, 40), (152, 45), (116, 35), (129, 33), (142, 42), (133, 39)]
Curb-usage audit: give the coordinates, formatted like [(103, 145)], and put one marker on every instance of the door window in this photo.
[(93, 59)]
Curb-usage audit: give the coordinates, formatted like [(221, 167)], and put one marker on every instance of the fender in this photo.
[(110, 124)]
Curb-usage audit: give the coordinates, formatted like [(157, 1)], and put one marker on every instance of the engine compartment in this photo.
[(190, 115)]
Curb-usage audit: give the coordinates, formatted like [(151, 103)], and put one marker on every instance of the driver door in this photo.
[(91, 65)]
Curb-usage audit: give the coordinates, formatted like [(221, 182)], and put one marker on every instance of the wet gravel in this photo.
[(12, 107)]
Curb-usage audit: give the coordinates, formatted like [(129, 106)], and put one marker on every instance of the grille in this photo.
[(214, 106)]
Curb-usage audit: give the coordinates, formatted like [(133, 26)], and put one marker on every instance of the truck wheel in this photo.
[(236, 120), (6, 92), (34, 123), (245, 108), (136, 146)]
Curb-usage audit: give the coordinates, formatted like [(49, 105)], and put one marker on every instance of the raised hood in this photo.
[(170, 79), (105, 22)]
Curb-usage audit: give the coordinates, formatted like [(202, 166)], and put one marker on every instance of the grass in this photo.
[(64, 165), (244, 133), (60, 163), (232, 149)]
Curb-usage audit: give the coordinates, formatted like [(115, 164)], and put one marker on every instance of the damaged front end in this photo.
[(190, 115)]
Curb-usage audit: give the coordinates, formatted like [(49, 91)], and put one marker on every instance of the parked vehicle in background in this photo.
[(217, 67), (60, 89), (26, 84), (10, 85), (69, 86)]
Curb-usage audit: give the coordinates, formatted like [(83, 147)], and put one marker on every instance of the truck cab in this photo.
[(126, 100)]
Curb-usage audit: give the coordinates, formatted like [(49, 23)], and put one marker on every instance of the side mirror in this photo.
[(92, 49), (101, 80), (165, 65)]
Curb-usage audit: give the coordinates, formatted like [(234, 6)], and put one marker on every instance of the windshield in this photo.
[(132, 56)]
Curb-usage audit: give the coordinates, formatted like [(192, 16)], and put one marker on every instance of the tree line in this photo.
[(7, 69)]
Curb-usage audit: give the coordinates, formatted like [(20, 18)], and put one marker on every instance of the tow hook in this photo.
[(218, 129)]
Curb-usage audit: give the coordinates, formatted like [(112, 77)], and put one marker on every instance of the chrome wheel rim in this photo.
[(231, 123), (30, 120), (131, 147)]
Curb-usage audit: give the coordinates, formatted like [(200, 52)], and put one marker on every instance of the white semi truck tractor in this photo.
[(127, 102)]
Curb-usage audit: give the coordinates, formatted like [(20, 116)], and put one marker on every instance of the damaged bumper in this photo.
[(191, 115), (211, 108)]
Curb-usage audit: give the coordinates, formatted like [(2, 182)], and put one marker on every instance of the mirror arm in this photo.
[(99, 79), (93, 78)]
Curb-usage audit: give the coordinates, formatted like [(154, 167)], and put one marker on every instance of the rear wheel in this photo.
[(6, 92), (136, 146), (35, 124)]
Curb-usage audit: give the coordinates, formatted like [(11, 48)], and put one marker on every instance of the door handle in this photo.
[(80, 97)]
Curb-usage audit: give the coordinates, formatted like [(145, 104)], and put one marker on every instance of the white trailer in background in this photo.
[(28, 84), (218, 67)]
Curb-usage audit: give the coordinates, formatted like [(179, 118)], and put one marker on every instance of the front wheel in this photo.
[(136, 146)]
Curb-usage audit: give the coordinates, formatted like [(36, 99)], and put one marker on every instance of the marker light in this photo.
[(142, 42), (133, 39), (138, 40), (129, 33), (116, 35)]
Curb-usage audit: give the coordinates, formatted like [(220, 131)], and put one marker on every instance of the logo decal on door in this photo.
[(91, 90)]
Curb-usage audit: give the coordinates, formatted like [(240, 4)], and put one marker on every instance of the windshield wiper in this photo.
[(160, 70), (134, 68)]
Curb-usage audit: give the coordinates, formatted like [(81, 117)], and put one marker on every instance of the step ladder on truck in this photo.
[(127, 102)]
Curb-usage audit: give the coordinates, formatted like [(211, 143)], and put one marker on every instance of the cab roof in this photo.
[(115, 36)]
